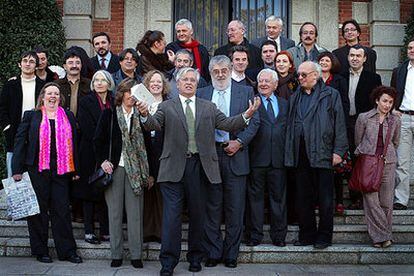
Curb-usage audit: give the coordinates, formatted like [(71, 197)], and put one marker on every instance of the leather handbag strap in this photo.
[(110, 134), (387, 137)]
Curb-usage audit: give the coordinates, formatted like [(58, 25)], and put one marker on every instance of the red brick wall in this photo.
[(345, 13), (60, 5), (406, 9), (114, 27)]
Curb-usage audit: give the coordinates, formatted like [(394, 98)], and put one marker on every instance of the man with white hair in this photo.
[(316, 140), (274, 28), (232, 149), (267, 164), (235, 33), (185, 40)]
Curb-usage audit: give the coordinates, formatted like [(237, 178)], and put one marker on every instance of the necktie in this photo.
[(189, 117), (270, 111), (103, 66), (221, 135)]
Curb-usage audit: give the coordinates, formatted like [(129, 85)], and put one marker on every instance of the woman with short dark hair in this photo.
[(129, 166), (371, 130)]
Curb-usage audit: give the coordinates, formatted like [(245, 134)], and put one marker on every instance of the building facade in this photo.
[(382, 21)]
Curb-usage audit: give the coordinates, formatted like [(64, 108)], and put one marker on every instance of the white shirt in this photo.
[(277, 40), (353, 83), (28, 89), (237, 77), (192, 103), (407, 103), (127, 117)]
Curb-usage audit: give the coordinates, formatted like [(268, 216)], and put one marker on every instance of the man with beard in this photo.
[(307, 49), (269, 51), (19, 95), (235, 33), (274, 28), (183, 59), (351, 31), (185, 40), (233, 157), (104, 59), (43, 71), (73, 87)]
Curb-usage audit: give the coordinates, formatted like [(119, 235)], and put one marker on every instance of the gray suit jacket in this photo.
[(285, 43), (171, 118), (239, 101)]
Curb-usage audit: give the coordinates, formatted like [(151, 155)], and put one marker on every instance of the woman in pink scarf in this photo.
[(45, 146)]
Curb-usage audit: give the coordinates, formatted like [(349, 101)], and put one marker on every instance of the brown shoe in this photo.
[(386, 244), (377, 245)]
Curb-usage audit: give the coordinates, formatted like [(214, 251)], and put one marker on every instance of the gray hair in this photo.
[(107, 76), (270, 71), (240, 23), (185, 52), (274, 18), (220, 59), (184, 71), (185, 22), (316, 67)]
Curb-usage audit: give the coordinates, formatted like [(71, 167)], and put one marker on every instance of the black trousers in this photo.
[(52, 193), (228, 197), (275, 181), (314, 183), (89, 210), (192, 189)]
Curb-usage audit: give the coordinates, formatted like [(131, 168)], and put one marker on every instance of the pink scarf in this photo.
[(64, 143)]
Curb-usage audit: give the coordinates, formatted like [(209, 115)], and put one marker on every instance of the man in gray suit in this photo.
[(233, 156), (274, 28), (188, 163)]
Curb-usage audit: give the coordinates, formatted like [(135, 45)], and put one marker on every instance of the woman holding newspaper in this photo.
[(45, 145)]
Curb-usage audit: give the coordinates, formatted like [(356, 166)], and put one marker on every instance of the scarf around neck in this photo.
[(133, 151), (64, 143), (193, 47)]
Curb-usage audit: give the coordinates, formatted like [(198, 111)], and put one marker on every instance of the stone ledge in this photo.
[(385, 10), (77, 7), (77, 27), (383, 34)]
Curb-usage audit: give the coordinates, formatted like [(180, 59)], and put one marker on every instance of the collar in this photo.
[(374, 112), (70, 82), (28, 80), (107, 57), (183, 99), (126, 113), (410, 65), (352, 72), (236, 76), (272, 98), (228, 89)]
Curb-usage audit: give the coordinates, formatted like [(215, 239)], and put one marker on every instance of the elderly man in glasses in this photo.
[(316, 140)]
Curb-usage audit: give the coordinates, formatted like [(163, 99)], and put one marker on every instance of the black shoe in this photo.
[(279, 243), (211, 262), (194, 267), (116, 262), (301, 243), (399, 206), (44, 259), (357, 205), (165, 272), (92, 239), (321, 245), (231, 263), (73, 259), (137, 263), (252, 243)]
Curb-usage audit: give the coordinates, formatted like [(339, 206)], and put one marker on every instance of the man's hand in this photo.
[(17, 177), (336, 159), (151, 182), (75, 177), (252, 107), (142, 108), (107, 167), (233, 147)]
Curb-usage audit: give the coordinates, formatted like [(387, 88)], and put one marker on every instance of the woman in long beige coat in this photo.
[(370, 137)]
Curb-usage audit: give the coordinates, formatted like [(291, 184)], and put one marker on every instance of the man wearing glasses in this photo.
[(351, 31), (19, 94), (315, 142)]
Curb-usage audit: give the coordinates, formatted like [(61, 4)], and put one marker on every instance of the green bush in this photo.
[(23, 25), (409, 35)]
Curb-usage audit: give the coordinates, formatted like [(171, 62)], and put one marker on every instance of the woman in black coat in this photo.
[(330, 75), (45, 146), (89, 111)]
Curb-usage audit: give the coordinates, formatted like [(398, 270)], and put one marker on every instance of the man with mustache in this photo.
[(235, 33), (307, 49), (73, 87), (104, 59)]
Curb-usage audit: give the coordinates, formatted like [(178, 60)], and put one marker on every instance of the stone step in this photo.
[(342, 233), (265, 253)]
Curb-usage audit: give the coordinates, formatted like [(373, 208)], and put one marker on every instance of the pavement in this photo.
[(29, 266)]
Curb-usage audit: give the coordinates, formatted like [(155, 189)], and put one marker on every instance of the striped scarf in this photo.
[(64, 143)]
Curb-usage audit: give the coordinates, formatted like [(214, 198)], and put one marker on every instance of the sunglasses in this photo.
[(304, 75)]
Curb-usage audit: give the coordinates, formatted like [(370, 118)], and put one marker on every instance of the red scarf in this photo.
[(193, 47), (328, 80)]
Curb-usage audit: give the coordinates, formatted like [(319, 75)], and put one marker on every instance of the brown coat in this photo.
[(366, 134)]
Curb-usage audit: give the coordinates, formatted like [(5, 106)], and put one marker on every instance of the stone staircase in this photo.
[(351, 243)]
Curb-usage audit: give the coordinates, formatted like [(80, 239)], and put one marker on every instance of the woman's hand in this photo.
[(107, 167), (336, 159), (75, 177), (171, 56), (17, 177), (151, 181)]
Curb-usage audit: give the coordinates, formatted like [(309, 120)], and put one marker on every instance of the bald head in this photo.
[(235, 32)]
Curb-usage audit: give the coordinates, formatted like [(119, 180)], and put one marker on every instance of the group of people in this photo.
[(267, 123)]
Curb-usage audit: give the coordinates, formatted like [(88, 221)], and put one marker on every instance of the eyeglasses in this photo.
[(350, 30), (304, 75)]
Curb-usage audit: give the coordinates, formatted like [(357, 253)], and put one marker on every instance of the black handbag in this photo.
[(99, 179)]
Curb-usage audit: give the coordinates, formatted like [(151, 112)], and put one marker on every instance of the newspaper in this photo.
[(20, 197), (141, 93)]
